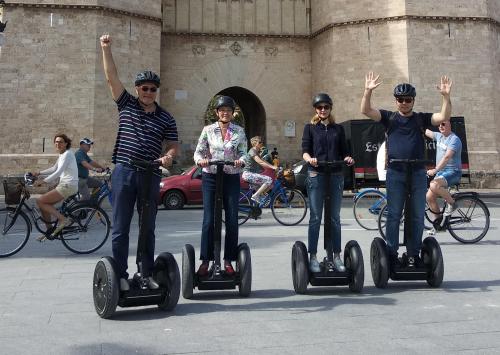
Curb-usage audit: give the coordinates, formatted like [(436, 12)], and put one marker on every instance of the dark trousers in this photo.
[(127, 185), (231, 191)]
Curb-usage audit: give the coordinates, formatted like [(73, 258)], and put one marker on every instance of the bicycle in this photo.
[(102, 192), (88, 231), (468, 223), (288, 205), (367, 206)]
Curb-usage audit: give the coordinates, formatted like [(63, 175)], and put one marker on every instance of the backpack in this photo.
[(420, 124)]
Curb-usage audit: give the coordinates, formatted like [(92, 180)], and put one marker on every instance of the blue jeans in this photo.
[(127, 183), (316, 193), (396, 195), (231, 194)]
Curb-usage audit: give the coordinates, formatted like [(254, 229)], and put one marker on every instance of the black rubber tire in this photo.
[(166, 273), (382, 219), (379, 262), (301, 209), (188, 260), (367, 206), (244, 209), (469, 210), (353, 260), (93, 228), (106, 287), (7, 223), (300, 269), (174, 200), (433, 259), (244, 267)]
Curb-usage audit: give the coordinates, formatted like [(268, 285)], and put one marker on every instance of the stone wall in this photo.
[(276, 71), (52, 79)]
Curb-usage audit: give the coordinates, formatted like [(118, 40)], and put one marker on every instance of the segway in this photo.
[(432, 268), (217, 279), (354, 276), (106, 284)]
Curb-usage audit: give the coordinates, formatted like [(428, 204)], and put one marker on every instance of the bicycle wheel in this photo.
[(88, 231), (14, 231), (382, 220), (289, 207), (367, 206), (470, 222)]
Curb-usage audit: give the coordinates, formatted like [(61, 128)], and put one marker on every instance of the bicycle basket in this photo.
[(288, 178), (13, 191)]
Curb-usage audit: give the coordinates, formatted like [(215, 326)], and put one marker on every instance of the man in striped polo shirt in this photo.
[(143, 126)]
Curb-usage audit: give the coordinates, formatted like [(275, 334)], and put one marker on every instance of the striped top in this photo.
[(140, 133)]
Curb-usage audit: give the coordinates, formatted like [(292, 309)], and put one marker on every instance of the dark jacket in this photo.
[(325, 143)]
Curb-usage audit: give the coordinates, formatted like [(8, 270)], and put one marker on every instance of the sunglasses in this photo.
[(443, 124), (326, 108), (147, 88), (405, 100)]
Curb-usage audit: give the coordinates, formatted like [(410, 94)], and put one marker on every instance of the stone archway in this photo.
[(253, 110)]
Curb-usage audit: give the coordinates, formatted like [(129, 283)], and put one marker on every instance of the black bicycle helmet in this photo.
[(405, 90), (225, 101), (147, 76), (322, 98)]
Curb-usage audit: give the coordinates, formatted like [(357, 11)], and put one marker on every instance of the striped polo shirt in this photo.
[(140, 133)]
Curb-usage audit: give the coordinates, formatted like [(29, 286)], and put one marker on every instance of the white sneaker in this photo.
[(314, 264), (431, 232), (450, 207), (124, 285), (339, 265)]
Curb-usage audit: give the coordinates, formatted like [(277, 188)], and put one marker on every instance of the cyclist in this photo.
[(222, 140), (405, 140), (324, 140), (65, 169), (142, 127), (85, 164), (448, 167), (253, 169)]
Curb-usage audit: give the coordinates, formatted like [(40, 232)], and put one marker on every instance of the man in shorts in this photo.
[(448, 167)]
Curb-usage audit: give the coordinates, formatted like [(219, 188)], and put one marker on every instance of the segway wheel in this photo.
[(166, 273), (433, 259), (353, 260), (244, 267), (300, 272), (106, 287), (379, 262), (188, 271)]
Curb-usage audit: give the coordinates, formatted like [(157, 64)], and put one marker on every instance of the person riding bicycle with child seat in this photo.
[(66, 170), (448, 170), (85, 164), (404, 129), (324, 140), (222, 140), (254, 165)]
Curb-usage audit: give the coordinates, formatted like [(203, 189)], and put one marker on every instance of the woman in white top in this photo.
[(67, 171)]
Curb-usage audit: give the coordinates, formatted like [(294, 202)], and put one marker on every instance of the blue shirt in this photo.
[(140, 133), (405, 138), (81, 156), (325, 143), (451, 142)]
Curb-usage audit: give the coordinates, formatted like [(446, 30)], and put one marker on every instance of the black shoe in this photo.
[(394, 262), (415, 261), (152, 284)]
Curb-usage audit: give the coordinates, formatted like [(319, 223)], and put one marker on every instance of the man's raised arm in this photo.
[(371, 82), (444, 88), (115, 85)]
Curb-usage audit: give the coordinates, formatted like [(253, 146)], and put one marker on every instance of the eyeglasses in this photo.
[(326, 108), (150, 89), (442, 124), (408, 100)]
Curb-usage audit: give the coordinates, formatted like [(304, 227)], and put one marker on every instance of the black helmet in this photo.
[(225, 101), (147, 76), (405, 90), (322, 97)]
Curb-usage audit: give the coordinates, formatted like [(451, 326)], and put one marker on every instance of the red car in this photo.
[(185, 189)]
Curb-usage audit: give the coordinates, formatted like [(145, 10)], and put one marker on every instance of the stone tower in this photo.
[(270, 55)]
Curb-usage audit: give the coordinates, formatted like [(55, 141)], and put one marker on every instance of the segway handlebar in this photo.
[(411, 161), (145, 164), (223, 162), (331, 163)]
